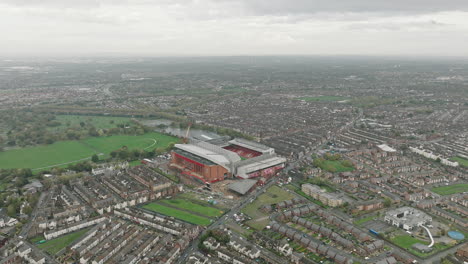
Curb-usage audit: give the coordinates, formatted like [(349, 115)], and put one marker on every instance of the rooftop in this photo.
[(242, 186)]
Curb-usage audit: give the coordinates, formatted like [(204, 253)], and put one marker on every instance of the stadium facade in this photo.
[(216, 160)]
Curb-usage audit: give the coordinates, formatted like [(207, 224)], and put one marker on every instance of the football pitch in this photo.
[(179, 214), (66, 152)]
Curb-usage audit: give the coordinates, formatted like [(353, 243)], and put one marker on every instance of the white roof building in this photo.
[(386, 148)]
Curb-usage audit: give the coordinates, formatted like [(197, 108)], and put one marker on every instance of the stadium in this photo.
[(215, 160)]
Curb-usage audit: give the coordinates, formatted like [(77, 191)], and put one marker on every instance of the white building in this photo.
[(407, 218)]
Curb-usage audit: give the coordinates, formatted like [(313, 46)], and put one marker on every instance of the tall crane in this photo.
[(187, 133)]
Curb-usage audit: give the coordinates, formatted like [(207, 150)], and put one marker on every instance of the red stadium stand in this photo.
[(243, 152)]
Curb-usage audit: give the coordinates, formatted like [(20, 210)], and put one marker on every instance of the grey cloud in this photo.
[(418, 25), (284, 7), (274, 7)]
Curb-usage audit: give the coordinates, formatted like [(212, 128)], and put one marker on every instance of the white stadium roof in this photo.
[(204, 153), (242, 171)]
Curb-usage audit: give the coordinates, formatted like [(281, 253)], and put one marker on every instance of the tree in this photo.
[(95, 158), (347, 163), (93, 132), (27, 210), (443, 232), (11, 210), (387, 202)]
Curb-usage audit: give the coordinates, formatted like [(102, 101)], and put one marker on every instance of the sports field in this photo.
[(64, 152), (194, 207), (102, 122), (324, 98), (179, 214), (273, 195), (451, 189), (55, 245)]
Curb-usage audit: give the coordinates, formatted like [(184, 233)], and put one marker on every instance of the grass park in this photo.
[(62, 153), (183, 215), (191, 206), (323, 98), (461, 161), (55, 245), (451, 189), (273, 195), (336, 166)]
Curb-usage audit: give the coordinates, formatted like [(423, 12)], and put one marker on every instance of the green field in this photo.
[(182, 215), (99, 122), (406, 241), (55, 245), (364, 220), (193, 207), (324, 98), (64, 152), (461, 161), (273, 195), (451, 189), (335, 166)]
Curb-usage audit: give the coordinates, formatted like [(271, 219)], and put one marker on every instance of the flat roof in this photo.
[(259, 165), (386, 148), (242, 186)]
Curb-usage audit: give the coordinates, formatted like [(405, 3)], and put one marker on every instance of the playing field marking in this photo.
[(154, 143)]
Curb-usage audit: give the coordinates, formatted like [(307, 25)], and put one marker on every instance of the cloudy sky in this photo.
[(234, 27)]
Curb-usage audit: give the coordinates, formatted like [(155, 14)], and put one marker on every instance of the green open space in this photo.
[(45, 155), (323, 98), (364, 220), (55, 245), (335, 166), (406, 241), (273, 195), (63, 152), (179, 214), (148, 141), (301, 193), (99, 122), (193, 207), (451, 189), (461, 161)]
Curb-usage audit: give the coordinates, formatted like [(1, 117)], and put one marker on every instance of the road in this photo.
[(193, 247), (252, 196), (25, 230)]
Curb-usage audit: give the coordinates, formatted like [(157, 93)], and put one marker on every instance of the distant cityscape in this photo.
[(279, 159)]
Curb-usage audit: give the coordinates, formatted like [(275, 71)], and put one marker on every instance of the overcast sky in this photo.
[(233, 27)]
